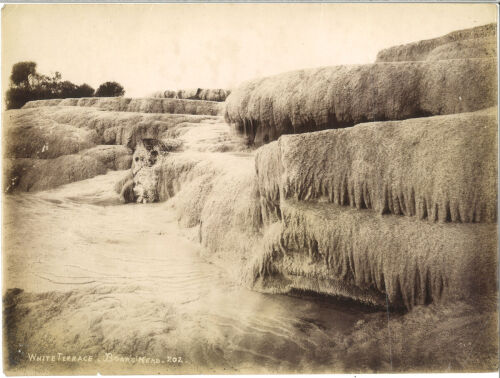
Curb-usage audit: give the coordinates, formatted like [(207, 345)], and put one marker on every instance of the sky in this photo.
[(150, 47)]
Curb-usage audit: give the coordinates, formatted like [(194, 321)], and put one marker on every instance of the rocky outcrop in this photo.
[(478, 42), (206, 136), (38, 137), (441, 168), (342, 96), (401, 209), (141, 105), (385, 212), (147, 155), (218, 95), (28, 174), (68, 133), (49, 132)]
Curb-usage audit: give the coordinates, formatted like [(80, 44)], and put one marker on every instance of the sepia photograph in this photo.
[(249, 188)]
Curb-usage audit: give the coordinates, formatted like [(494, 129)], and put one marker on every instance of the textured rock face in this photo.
[(147, 157), (356, 254), (141, 105), (439, 168), (478, 42), (187, 139), (405, 209), (142, 184), (342, 96)]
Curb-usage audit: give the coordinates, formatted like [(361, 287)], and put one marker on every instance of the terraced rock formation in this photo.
[(399, 212), (342, 96), (219, 95), (48, 146), (372, 183), (386, 211), (141, 105)]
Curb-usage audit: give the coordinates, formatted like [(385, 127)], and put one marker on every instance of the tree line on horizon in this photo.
[(26, 84)]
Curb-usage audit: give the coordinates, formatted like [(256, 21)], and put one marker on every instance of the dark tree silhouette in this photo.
[(21, 73), (84, 90), (110, 89), (66, 89), (16, 97), (27, 85)]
